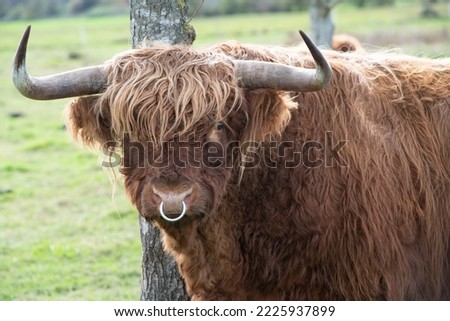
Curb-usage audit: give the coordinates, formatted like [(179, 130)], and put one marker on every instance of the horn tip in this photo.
[(19, 59), (323, 67), (306, 39)]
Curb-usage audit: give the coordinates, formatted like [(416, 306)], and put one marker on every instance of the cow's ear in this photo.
[(268, 111), (89, 122)]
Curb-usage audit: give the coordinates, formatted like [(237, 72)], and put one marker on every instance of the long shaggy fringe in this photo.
[(156, 93), (153, 94)]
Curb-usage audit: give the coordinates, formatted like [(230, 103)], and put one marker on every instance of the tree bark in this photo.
[(160, 278), (162, 21), (322, 25)]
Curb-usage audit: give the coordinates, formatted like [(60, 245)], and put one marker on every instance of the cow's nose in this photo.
[(174, 204)]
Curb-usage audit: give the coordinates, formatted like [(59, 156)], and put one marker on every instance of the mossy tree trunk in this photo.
[(162, 21)]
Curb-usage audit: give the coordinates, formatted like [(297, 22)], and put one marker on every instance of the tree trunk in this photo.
[(160, 278), (322, 26), (427, 9), (448, 8), (162, 21)]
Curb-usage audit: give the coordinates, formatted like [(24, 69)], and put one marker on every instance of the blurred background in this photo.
[(67, 231)]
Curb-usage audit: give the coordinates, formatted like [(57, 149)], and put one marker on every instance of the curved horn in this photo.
[(260, 74), (78, 82)]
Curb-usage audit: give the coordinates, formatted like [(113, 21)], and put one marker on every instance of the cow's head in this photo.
[(180, 117)]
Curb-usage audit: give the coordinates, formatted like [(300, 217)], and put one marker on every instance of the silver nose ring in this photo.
[(164, 216)]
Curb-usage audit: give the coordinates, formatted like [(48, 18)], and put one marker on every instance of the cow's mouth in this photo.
[(172, 215)]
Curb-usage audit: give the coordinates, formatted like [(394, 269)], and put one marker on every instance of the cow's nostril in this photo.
[(171, 196)]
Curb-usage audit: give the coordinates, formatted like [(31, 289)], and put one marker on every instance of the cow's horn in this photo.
[(78, 82), (260, 74)]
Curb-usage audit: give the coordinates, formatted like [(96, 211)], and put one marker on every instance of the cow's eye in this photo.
[(218, 132), (220, 126)]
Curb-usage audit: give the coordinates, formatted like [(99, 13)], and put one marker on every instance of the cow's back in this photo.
[(375, 217)]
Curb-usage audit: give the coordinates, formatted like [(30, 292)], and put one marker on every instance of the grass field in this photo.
[(63, 234)]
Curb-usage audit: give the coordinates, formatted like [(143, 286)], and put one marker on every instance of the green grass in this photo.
[(63, 235)]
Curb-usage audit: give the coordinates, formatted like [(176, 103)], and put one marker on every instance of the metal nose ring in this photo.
[(164, 216)]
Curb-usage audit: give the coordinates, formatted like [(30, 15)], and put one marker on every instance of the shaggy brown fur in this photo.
[(373, 224)]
